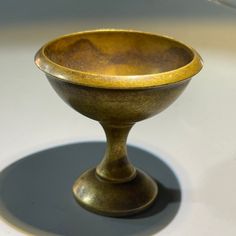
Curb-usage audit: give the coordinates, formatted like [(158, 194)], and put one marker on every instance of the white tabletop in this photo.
[(196, 135)]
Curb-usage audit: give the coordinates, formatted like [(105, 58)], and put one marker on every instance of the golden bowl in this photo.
[(117, 77)]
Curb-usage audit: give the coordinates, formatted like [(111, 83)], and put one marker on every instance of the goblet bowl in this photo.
[(117, 77)]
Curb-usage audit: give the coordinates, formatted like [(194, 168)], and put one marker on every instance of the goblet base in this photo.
[(115, 199)]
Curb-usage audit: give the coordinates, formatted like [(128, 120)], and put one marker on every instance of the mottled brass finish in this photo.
[(105, 197), (117, 77)]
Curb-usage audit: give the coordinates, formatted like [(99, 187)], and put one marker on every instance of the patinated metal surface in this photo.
[(117, 77), (134, 72)]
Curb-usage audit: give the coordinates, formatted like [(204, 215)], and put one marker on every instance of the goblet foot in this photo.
[(115, 199)]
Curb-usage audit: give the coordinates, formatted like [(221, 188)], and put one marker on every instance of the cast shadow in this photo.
[(35, 194)]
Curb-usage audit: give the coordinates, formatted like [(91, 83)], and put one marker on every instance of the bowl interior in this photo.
[(118, 53)]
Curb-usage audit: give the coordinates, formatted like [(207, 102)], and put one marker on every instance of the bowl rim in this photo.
[(89, 79)]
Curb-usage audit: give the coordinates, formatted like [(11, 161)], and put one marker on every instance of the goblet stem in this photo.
[(115, 166)]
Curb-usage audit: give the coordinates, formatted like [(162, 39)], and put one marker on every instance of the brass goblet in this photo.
[(117, 77)]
